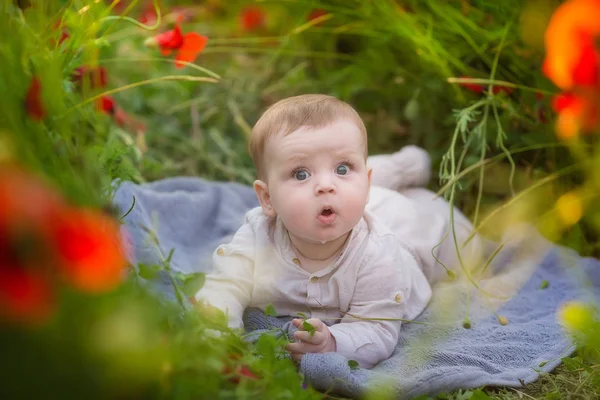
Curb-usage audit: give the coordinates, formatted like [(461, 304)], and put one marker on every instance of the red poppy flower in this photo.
[(188, 46), (576, 114), (474, 87), (33, 100), (252, 18), (106, 104), (128, 122), (25, 296), (64, 35), (96, 76), (316, 13), (247, 373), (477, 88), (89, 249), (148, 15), (572, 57), (41, 208), (241, 372)]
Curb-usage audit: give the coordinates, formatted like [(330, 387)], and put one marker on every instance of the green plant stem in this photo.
[(536, 185), (141, 83)]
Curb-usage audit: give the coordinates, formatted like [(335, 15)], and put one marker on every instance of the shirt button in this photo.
[(220, 251), (296, 261), (314, 279), (398, 298)]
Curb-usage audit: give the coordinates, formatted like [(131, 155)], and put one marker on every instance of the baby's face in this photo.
[(317, 180)]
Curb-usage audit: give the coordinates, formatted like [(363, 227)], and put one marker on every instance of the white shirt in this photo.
[(375, 276)]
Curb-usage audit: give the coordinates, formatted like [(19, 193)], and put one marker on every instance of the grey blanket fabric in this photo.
[(435, 353)]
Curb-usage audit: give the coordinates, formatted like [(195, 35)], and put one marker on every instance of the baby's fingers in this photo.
[(301, 347), (307, 337), (315, 323), (297, 357)]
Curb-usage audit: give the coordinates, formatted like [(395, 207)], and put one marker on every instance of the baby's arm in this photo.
[(229, 286), (391, 286)]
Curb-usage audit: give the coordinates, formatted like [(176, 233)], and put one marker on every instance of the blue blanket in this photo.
[(193, 216)]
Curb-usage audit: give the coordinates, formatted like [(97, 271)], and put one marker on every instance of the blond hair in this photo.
[(288, 115)]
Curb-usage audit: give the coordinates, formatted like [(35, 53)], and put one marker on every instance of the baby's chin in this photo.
[(322, 239)]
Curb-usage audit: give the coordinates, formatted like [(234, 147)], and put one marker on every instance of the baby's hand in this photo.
[(320, 342)]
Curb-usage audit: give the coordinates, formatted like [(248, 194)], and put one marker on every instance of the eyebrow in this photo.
[(296, 158), (338, 154)]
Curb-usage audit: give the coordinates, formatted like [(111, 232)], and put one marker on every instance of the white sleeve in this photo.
[(391, 286), (229, 285)]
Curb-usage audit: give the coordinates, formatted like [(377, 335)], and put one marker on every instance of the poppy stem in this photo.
[(136, 22), (141, 83), (497, 83)]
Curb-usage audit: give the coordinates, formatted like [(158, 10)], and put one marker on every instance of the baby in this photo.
[(314, 247)]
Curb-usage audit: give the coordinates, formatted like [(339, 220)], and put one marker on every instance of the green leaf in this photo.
[(466, 395), (148, 271), (554, 395), (266, 345), (308, 328), (170, 256), (411, 111), (302, 315), (353, 365), (193, 283), (479, 395), (544, 284), (270, 310)]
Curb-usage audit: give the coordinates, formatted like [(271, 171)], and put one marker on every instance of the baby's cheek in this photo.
[(297, 217), (356, 201)]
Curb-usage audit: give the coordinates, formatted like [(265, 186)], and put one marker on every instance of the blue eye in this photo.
[(341, 169), (301, 175)]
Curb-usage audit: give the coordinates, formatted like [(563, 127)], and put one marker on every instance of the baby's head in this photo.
[(310, 152)]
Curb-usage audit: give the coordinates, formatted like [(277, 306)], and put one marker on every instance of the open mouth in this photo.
[(327, 216)]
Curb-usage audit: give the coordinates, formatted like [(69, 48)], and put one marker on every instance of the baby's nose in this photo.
[(325, 186)]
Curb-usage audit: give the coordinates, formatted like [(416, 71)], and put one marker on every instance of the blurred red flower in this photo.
[(316, 13), (148, 15), (240, 372), (64, 35), (477, 88), (572, 56), (106, 104), (96, 77), (572, 62), (252, 18), (89, 249), (575, 113), (25, 295), (188, 46), (27, 209), (43, 204), (40, 235), (33, 100)]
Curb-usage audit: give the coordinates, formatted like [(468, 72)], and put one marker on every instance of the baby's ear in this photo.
[(262, 192), (369, 173)]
